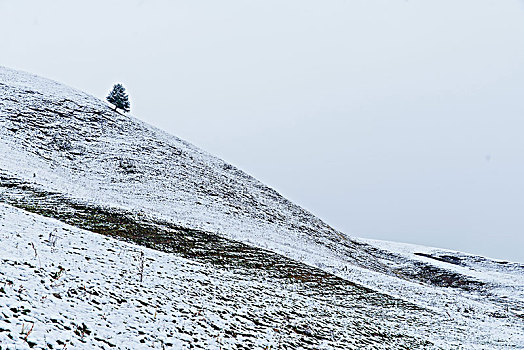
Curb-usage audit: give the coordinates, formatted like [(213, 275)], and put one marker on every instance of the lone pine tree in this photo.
[(118, 97)]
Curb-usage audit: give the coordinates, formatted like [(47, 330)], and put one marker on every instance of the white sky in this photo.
[(389, 119)]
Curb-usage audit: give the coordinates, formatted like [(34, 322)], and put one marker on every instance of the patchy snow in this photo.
[(55, 279), (71, 288), (66, 287), (64, 141)]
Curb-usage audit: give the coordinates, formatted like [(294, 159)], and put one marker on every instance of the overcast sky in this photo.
[(398, 120)]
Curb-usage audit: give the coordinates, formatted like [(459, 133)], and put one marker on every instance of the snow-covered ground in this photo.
[(57, 140), (72, 288)]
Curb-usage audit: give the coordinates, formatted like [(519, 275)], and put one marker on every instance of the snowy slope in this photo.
[(66, 155), (59, 278)]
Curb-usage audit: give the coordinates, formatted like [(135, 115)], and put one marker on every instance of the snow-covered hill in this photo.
[(230, 263)]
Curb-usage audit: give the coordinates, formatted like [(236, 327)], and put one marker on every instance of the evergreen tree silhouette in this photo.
[(119, 98)]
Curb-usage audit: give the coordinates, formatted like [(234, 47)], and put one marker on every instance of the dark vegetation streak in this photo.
[(163, 236), (455, 260)]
